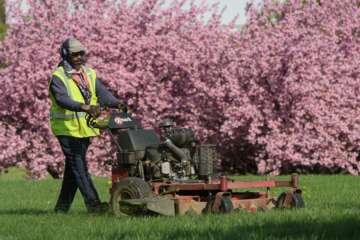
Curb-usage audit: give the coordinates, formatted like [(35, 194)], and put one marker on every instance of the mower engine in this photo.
[(174, 156)]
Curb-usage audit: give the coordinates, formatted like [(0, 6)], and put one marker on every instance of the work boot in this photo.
[(98, 207), (60, 208)]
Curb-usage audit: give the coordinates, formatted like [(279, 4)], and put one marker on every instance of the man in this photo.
[(74, 92)]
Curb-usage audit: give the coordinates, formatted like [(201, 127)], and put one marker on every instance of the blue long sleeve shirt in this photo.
[(59, 92)]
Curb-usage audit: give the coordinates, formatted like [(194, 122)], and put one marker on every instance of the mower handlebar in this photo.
[(116, 119)]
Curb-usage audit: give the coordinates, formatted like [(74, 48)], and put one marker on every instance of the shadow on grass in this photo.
[(345, 206), (26, 211), (39, 212), (346, 228)]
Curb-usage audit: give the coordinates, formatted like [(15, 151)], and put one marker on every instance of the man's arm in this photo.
[(59, 92), (105, 97)]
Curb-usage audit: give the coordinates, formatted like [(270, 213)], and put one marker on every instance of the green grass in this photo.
[(26, 212)]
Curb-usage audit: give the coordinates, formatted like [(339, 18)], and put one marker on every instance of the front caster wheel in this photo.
[(290, 200)]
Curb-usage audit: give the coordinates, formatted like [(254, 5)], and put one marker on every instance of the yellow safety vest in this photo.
[(70, 123)]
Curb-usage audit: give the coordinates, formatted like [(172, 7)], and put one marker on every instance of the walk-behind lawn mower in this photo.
[(174, 174)]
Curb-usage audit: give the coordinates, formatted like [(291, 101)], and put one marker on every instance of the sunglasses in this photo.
[(76, 54)]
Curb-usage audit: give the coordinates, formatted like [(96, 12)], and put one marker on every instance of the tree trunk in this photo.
[(2, 22), (2, 12)]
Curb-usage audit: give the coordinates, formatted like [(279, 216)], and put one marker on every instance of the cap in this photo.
[(75, 46)]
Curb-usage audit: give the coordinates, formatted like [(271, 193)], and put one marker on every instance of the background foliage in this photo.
[(277, 95), (298, 66)]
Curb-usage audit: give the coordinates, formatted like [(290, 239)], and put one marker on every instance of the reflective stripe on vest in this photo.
[(56, 115)]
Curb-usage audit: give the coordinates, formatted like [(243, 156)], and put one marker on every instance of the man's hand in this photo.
[(92, 110), (123, 107)]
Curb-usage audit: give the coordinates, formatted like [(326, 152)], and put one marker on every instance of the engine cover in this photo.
[(133, 143)]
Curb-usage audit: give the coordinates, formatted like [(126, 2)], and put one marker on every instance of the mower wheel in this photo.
[(128, 188), (290, 200), (209, 206), (226, 205)]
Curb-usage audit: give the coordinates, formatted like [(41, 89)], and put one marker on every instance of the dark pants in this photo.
[(76, 174)]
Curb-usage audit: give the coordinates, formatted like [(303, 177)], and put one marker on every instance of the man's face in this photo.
[(77, 59)]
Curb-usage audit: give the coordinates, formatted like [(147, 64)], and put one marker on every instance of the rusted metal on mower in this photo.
[(221, 195), (174, 174), (223, 185)]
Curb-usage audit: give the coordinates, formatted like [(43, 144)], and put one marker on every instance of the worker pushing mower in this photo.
[(74, 92), (171, 173)]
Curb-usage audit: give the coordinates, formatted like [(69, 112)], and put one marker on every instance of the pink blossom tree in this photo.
[(281, 92), (160, 59), (299, 70)]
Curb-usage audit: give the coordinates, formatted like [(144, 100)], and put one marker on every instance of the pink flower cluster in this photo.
[(280, 91)]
